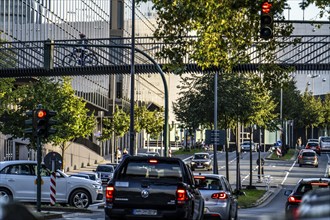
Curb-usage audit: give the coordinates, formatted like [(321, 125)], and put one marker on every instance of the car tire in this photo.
[(5, 195), (80, 199)]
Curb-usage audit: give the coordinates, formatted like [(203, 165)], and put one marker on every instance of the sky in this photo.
[(296, 13)]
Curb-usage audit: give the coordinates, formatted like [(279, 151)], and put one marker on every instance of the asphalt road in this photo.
[(279, 176)]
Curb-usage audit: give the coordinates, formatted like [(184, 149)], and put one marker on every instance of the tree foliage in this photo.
[(326, 111), (73, 118), (239, 99), (311, 113), (224, 31)]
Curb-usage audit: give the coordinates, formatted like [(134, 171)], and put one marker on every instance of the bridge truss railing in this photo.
[(308, 53)]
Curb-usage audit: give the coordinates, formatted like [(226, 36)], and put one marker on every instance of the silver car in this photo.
[(308, 157), (88, 175), (245, 146), (220, 201)]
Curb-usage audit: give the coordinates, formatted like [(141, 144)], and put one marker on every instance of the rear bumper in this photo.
[(202, 167), (178, 213)]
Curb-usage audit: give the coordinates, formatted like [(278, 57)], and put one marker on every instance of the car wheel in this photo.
[(5, 195), (80, 199)]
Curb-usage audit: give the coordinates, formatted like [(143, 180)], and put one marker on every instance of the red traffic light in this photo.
[(265, 7), (41, 113)]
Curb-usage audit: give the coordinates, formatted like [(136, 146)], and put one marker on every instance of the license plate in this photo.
[(200, 166), (104, 180), (144, 212)]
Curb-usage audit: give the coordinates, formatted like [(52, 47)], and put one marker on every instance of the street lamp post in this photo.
[(313, 77)]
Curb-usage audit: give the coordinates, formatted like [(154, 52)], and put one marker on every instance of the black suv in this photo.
[(153, 188)]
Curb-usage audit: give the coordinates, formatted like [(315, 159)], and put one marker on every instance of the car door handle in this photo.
[(11, 180)]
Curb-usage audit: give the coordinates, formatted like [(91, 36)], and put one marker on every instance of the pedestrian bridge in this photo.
[(25, 59)]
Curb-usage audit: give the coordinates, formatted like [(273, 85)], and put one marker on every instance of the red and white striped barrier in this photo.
[(53, 188)]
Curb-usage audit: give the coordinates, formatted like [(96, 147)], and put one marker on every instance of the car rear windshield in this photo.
[(308, 154), (151, 169), (201, 156), (305, 187), (313, 144), (325, 139), (208, 183), (104, 169)]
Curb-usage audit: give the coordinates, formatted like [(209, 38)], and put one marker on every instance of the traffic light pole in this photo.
[(38, 175)]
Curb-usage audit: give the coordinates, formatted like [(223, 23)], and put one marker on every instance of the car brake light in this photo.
[(153, 161), (181, 196), (293, 199), (199, 177), (109, 193), (320, 184), (220, 195)]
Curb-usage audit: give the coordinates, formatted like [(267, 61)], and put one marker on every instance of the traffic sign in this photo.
[(216, 137), (53, 161)]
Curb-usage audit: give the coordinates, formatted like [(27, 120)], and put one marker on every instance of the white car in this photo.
[(18, 182), (245, 146)]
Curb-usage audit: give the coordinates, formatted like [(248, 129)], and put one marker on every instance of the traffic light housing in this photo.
[(266, 20), (50, 122), (41, 122), (29, 123)]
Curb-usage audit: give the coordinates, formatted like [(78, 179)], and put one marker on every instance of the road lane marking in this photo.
[(288, 172)]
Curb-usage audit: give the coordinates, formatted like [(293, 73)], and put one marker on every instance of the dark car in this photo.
[(303, 186), (220, 200), (308, 157), (153, 188), (201, 161), (105, 171), (315, 205)]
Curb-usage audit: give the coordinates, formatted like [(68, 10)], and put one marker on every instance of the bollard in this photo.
[(53, 188)]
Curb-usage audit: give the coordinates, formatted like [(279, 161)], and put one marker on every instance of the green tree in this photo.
[(311, 114), (117, 125), (72, 116), (155, 124), (224, 31), (74, 120), (326, 112)]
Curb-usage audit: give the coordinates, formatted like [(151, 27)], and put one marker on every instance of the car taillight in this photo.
[(109, 193), (299, 157), (315, 158), (307, 147), (293, 199), (181, 196), (220, 195)]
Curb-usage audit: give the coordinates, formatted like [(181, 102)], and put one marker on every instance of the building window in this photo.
[(120, 14)]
